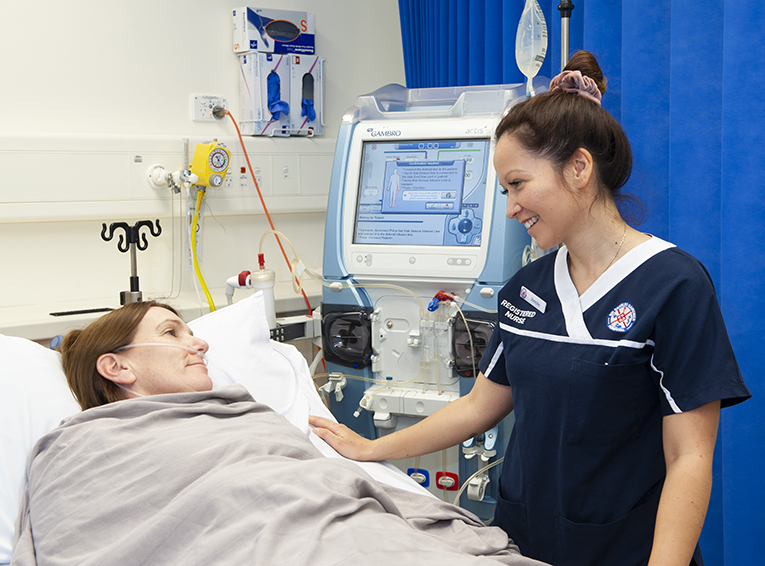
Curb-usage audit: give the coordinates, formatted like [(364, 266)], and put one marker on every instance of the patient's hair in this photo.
[(81, 349)]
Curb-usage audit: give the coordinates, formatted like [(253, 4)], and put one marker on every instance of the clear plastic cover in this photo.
[(390, 101)]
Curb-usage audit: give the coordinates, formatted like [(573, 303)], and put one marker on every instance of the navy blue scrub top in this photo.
[(592, 377)]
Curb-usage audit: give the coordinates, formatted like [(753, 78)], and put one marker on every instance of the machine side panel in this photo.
[(334, 266)]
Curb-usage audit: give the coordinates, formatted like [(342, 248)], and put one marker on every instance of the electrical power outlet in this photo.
[(202, 107)]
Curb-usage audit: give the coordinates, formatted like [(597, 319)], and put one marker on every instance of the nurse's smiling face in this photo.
[(536, 194), (163, 357)]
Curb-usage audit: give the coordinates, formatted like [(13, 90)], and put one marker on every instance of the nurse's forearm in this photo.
[(470, 415), (448, 427), (682, 508), (475, 413)]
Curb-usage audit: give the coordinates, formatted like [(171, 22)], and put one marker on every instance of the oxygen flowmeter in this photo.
[(210, 163)]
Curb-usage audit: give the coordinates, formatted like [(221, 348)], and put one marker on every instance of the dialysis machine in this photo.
[(416, 228)]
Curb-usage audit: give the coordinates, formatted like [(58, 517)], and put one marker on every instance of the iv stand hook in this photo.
[(131, 240)]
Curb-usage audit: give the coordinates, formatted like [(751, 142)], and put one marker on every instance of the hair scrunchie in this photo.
[(574, 81)]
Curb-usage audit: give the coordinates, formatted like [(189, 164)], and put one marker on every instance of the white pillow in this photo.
[(241, 351), (34, 398)]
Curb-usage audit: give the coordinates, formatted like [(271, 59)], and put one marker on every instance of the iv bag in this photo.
[(531, 42)]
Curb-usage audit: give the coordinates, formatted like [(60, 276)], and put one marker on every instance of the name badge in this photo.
[(533, 300)]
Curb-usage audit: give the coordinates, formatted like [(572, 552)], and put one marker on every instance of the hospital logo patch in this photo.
[(622, 318)]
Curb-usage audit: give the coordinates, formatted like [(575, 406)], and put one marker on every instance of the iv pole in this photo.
[(131, 240), (564, 8)]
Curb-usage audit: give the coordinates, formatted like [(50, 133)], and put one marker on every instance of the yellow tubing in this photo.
[(197, 208)]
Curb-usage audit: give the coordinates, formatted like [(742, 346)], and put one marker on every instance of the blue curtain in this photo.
[(460, 42), (686, 81)]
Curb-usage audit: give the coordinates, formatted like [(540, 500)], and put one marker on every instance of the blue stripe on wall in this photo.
[(443, 43), (743, 273), (476, 43), (452, 44), (695, 138), (511, 15), (696, 128), (602, 35), (493, 35), (645, 105)]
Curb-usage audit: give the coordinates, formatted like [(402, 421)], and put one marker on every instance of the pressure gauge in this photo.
[(218, 159), (210, 163)]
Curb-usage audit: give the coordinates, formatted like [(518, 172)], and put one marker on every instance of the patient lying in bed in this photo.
[(160, 469)]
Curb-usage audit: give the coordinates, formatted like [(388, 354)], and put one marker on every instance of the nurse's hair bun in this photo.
[(574, 81), (581, 76)]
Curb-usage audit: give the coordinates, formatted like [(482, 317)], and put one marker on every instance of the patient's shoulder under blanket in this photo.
[(217, 478)]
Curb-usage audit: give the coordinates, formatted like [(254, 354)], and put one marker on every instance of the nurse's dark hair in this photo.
[(554, 125), (80, 350)]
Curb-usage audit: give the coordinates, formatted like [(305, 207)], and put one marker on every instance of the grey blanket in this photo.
[(217, 478)]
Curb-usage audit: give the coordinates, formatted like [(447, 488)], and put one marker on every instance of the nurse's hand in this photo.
[(345, 442)]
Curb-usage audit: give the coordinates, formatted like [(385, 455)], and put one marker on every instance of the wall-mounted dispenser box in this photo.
[(264, 91), (306, 95), (273, 31)]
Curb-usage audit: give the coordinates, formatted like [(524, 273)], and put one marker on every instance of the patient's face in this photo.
[(167, 369)]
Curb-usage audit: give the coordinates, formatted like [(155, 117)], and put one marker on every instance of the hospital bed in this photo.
[(34, 398)]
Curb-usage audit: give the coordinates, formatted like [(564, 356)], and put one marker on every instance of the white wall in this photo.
[(94, 92)]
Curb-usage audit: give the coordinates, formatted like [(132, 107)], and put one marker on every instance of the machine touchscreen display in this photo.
[(422, 193)]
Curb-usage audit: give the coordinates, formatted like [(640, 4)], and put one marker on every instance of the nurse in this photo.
[(616, 368)]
